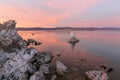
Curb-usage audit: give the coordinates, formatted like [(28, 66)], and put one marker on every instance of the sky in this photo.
[(61, 13)]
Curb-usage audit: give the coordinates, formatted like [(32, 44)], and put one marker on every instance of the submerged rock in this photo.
[(33, 42), (96, 75), (73, 39), (61, 69), (82, 59)]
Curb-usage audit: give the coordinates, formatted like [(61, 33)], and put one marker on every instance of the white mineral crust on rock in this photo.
[(97, 75), (61, 68)]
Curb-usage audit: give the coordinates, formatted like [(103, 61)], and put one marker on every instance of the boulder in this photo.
[(96, 75), (37, 76), (10, 40), (43, 57), (19, 65), (73, 39), (44, 68), (33, 42), (106, 67), (61, 69)]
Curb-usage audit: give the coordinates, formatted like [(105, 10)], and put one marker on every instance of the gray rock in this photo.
[(61, 69), (18, 65), (73, 39), (106, 67), (44, 57), (44, 68), (96, 75), (10, 40), (10, 24), (37, 76), (17, 61)]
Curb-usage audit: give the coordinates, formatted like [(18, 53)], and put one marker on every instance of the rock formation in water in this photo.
[(33, 42), (106, 67), (61, 69), (17, 61), (73, 40), (96, 75)]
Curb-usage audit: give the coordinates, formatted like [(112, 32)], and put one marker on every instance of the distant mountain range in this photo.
[(70, 28)]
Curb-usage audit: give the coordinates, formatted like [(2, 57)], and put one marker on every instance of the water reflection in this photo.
[(73, 44), (97, 47)]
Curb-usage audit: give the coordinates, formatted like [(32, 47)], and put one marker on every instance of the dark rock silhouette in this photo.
[(33, 42), (107, 68)]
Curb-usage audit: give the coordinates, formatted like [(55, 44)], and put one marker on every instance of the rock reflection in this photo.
[(72, 45)]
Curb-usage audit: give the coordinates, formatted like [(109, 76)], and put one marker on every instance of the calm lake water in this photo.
[(98, 47)]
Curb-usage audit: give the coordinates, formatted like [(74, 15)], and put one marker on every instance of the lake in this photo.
[(97, 47)]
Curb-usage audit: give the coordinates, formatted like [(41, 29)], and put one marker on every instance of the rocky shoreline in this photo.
[(20, 62)]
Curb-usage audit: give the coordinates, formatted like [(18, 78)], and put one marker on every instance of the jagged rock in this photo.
[(61, 68), (5, 56), (33, 42), (73, 39), (37, 76), (96, 75), (18, 65), (43, 57), (44, 68), (10, 24), (107, 68), (18, 61), (23, 76), (9, 39)]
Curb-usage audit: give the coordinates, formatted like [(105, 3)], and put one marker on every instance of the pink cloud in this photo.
[(32, 17)]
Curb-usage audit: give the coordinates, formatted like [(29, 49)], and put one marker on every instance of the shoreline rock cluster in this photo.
[(17, 61), (20, 62)]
